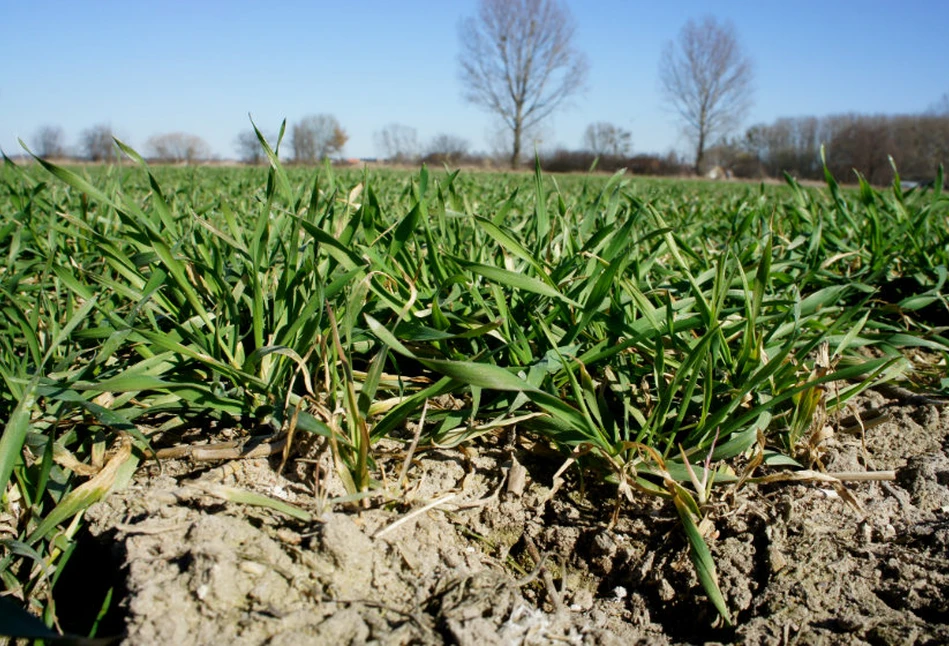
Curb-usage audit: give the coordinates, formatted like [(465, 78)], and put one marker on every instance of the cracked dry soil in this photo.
[(795, 563)]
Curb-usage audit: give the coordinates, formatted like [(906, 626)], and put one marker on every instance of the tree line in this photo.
[(861, 143), (917, 144), (97, 144)]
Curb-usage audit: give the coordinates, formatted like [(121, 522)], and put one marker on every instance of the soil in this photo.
[(476, 548)]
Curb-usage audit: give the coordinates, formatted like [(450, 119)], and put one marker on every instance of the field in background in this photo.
[(652, 330)]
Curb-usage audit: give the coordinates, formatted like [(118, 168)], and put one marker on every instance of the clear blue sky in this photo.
[(149, 67)]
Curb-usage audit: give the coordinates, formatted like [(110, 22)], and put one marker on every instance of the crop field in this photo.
[(666, 339)]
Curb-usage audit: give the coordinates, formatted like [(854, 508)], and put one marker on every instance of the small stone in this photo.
[(776, 560), (582, 600), (516, 479), (864, 532), (252, 567)]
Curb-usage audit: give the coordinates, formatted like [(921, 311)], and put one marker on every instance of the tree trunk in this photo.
[(516, 152), (700, 152)]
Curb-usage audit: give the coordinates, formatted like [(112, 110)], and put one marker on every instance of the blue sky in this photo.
[(149, 67)]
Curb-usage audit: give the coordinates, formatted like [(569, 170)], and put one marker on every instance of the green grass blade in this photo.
[(701, 556)]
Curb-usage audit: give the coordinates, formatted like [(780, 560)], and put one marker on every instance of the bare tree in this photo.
[(940, 107), (48, 141), (176, 147), (707, 80), (607, 139), (317, 137), (518, 61), (446, 149), (97, 144), (398, 143), (248, 147)]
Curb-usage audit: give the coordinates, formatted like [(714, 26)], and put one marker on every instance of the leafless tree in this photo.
[(607, 139), (248, 147), (789, 144), (398, 143), (97, 144), (940, 107), (48, 141), (518, 61), (920, 143), (864, 144), (176, 147), (707, 80), (317, 137), (446, 149)]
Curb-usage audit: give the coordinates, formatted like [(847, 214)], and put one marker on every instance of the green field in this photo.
[(651, 329)]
